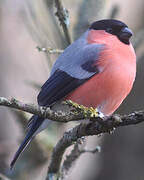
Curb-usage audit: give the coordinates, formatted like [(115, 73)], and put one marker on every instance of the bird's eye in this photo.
[(109, 30)]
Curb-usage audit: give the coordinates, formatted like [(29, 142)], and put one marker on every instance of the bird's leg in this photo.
[(85, 110)]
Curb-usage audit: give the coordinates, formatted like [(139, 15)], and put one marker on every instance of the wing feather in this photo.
[(55, 90), (73, 67)]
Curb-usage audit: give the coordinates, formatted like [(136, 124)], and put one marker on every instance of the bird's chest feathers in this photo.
[(118, 69)]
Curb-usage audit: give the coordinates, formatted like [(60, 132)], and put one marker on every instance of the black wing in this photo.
[(57, 87)]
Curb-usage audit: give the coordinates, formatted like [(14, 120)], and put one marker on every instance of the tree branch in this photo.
[(50, 50), (73, 114), (77, 151), (95, 126), (63, 16), (72, 157), (89, 129), (45, 112)]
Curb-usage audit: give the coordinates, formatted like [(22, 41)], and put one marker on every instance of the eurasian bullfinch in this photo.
[(97, 70)]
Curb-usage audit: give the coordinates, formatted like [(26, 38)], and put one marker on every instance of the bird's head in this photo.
[(114, 27)]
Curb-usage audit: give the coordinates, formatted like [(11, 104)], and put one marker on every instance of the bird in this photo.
[(97, 70)]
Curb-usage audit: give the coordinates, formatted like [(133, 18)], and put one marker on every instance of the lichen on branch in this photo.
[(95, 126)]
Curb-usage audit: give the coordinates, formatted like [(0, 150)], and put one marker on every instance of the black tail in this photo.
[(35, 124)]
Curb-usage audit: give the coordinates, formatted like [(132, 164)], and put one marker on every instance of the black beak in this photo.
[(125, 35), (126, 32)]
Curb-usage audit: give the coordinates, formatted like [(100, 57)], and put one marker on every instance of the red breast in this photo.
[(107, 89)]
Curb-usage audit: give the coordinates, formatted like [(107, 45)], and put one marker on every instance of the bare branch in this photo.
[(73, 114), (50, 50), (63, 16), (88, 129), (45, 112), (77, 151), (71, 159)]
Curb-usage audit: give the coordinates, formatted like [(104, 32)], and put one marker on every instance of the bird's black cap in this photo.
[(114, 27)]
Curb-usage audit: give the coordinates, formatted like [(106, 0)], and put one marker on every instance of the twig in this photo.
[(89, 129), (70, 160), (50, 50), (77, 151), (63, 17)]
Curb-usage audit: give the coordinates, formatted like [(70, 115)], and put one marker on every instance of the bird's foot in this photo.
[(87, 111)]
